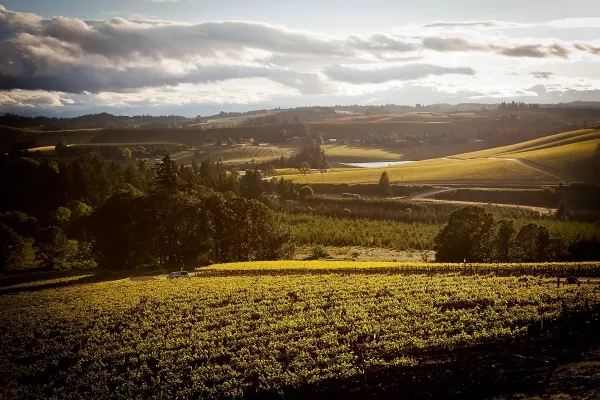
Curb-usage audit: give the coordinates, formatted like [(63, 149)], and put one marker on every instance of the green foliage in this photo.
[(61, 147), (21, 223), (305, 192), (313, 229), (252, 336), (466, 237), (52, 247), (62, 218), (167, 175), (563, 211), (286, 190), (251, 184), (12, 248), (304, 167), (318, 252), (178, 228), (385, 189)]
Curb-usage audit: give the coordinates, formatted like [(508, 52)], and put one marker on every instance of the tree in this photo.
[(466, 236), (61, 147), (563, 211), (385, 189), (251, 184), (504, 232), (126, 152), (21, 223), (532, 244), (12, 248), (51, 247), (167, 175), (304, 167), (305, 191)]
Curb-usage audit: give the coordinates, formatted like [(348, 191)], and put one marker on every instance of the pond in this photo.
[(378, 164)]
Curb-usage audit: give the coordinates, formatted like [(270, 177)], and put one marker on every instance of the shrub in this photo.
[(319, 251), (305, 192)]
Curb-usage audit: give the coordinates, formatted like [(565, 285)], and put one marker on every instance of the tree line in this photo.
[(473, 235), (84, 210)]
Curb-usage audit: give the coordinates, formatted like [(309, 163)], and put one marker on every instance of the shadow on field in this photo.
[(564, 359)]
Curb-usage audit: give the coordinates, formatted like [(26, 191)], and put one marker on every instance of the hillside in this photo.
[(439, 170), (567, 155)]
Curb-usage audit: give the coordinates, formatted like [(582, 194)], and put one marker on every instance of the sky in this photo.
[(193, 57)]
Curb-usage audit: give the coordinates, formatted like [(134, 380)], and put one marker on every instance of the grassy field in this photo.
[(338, 327), (352, 153), (559, 139), (437, 170), (566, 155)]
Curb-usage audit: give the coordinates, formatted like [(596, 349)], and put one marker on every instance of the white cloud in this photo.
[(68, 62)]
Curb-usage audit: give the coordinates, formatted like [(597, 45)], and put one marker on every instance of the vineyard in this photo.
[(234, 336), (583, 269), (313, 229)]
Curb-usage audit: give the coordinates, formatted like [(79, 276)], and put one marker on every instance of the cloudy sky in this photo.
[(199, 57)]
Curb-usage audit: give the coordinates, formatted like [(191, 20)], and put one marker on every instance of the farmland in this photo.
[(438, 170), (347, 153), (265, 334), (235, 154)]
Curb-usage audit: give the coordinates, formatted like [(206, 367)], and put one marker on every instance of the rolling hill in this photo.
[(567, 155)]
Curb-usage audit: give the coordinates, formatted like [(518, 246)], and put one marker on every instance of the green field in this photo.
[(559, 139), (437, 170), (320, 326), (354, 153), (566, 155)]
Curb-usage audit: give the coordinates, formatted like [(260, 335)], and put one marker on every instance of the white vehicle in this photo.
[(178, 274)]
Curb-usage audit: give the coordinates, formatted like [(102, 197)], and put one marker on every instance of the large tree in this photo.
[(12, 248), (385, 189), (466, 236), (167, 175), (52, 247)]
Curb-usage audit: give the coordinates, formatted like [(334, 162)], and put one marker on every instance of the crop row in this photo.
[(238, 336), (550, 269)]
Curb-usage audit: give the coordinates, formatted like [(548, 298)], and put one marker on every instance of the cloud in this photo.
[(538, 89), (542, 75), (467, 24), (530, 50), (401, 73), (588, 48), (31, 99), (452, 44), (536, 51)]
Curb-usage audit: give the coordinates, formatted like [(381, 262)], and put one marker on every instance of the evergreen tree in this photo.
[(167, 176), (385, 189)]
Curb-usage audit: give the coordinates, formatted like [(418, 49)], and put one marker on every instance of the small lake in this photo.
[(378, 164)]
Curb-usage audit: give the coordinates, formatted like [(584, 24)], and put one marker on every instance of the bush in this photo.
[(305, 192), (318, 252)]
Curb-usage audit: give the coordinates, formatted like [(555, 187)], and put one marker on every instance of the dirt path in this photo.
[(541, 210)]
